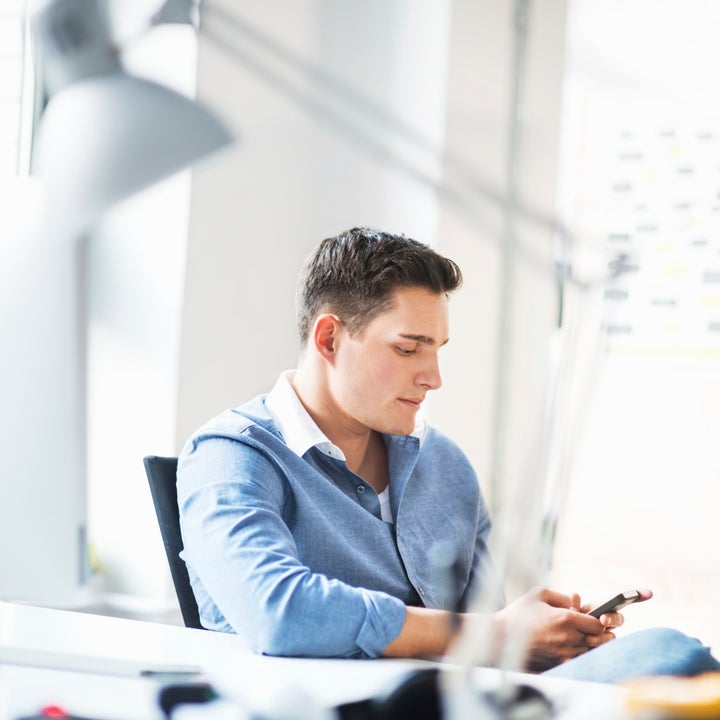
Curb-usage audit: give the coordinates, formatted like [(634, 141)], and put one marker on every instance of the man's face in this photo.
[(382, 375)]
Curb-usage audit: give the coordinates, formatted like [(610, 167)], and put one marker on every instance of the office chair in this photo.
[(162, 476)]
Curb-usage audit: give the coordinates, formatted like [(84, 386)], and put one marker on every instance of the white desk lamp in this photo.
[(107, 134), (104, 136)]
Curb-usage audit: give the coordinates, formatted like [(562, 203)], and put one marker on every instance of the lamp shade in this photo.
[(106, 134), (107, 137)]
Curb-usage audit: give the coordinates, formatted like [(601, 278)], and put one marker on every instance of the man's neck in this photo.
[(364, 449), (373, 467)]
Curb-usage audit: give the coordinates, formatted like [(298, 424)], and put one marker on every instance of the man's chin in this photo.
[(398, 429)]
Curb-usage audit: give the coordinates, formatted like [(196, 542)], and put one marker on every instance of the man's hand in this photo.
[(556, 628)]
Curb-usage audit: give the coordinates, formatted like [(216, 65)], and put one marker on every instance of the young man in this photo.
[(309, 515)]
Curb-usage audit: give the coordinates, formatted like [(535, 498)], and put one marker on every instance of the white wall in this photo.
[(42, 484), (180, 332), (136, 266), (293, 179), (442, 69)]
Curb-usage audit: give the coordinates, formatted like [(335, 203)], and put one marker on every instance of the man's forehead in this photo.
[(415, 314)]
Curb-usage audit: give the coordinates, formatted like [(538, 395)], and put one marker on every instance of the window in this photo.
[(16, 104), (643, 176)]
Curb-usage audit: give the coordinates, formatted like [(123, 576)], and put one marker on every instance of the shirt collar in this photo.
[(297, 427), (294, 422)]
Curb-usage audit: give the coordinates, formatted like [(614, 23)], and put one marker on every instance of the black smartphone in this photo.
[(616, 603)]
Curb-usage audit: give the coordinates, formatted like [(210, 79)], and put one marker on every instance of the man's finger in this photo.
[(556, 599), (612, 620), (593, 641)]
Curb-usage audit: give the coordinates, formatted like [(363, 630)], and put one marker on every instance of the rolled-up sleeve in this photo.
[(244, 563)]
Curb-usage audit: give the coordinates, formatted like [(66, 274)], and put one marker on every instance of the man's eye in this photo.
[(406, 351)]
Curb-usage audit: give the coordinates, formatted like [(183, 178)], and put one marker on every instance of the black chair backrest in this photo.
[(162, 476)]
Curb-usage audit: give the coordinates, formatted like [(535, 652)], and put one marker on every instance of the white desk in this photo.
[(102, 657)]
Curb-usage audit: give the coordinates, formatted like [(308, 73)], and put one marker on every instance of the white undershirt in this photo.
[(385, 512)]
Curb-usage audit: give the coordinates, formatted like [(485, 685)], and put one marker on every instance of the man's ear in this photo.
[(325, 335)]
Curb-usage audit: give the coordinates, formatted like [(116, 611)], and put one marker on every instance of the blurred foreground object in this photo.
[(675, 697)]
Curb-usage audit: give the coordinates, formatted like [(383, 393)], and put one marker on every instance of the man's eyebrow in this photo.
[(423, 339)]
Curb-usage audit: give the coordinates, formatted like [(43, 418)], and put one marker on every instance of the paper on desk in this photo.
[(92, 664)]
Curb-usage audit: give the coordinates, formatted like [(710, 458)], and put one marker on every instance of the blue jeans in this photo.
[(658, 651)]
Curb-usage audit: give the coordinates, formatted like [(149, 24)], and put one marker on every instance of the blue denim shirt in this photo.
[(290, 552)]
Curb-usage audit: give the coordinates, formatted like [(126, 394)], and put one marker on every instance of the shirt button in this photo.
[(360, 489), (421, 592)]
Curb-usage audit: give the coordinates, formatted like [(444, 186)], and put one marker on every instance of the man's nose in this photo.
[(430, 376)]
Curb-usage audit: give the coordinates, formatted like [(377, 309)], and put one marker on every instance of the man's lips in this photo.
[(412, 402)]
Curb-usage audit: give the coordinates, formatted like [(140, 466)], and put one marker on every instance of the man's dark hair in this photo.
[(355, 274)]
